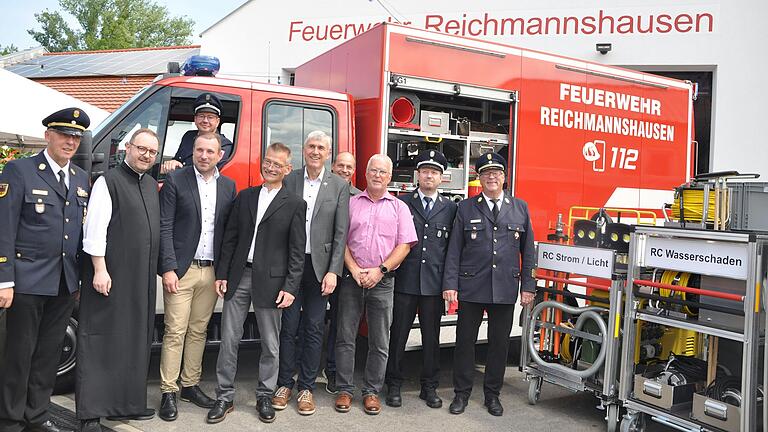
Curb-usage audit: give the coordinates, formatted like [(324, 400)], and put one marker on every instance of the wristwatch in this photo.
[(383, 269)]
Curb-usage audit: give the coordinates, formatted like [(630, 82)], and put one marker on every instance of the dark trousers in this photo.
[(303, 321), (430, 309), (330, 342), (35, 326), (500, 318)]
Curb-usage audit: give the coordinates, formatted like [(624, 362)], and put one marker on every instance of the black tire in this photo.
[(65, 374)]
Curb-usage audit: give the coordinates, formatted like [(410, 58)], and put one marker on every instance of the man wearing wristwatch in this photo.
[(381, 233)]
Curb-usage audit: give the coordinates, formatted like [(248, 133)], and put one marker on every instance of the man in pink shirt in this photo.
[(381, 234)]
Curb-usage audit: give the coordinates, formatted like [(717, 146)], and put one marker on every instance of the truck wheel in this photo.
[(534, 390), (65, 374)]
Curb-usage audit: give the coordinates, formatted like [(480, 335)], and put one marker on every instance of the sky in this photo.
[(19, 16)]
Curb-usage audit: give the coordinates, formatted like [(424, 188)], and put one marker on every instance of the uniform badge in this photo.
[(473, 235), (506, 200), (72, 170), (3, 259), (517, 235), (40, 207), (3, 189), (489, 156), (40, 192), (439, 234), (41, 167), (432, 154), (81, 192), (76, 113)]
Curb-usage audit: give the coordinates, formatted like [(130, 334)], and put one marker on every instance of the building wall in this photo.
[(723, 37)]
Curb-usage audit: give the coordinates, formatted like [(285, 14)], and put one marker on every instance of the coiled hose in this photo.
[(585, 313)]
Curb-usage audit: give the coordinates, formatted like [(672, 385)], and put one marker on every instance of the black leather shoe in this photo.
[(494, 405), (90, 425), (429, 395), (393, 397), (46, 426), (168, 410), (147, 414), (196, 396), (219, 411), (265, 410), (459, 404)]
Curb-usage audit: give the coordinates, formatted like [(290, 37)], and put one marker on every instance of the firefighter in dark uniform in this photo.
[(207, 119), (418, 281), (490, 256), (43, 203)]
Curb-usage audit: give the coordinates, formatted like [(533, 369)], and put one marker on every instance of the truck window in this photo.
[(181, 121), (149, 114), (290, 123)]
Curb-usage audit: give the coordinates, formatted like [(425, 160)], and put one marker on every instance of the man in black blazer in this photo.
[(419, 280), (194, 205), (261, 262), (327, 222)]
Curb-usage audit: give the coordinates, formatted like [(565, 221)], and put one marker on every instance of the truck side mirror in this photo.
[(82, 157)]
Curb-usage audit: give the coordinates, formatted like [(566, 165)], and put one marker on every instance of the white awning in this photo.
[(25, 103)]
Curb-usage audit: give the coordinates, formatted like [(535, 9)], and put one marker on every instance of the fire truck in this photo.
[(575, 133)]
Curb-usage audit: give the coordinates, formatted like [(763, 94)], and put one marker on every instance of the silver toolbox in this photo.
[(715, 413), (749, 206), (662, 395), (435, 122)]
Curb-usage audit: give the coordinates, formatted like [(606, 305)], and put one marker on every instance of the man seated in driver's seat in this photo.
[(207, 118)]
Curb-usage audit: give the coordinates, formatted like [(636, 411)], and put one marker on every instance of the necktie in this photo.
[(495, 208), (427, 206), (62, 183)]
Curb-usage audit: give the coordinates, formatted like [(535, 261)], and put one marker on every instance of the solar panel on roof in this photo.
[(145, 62)]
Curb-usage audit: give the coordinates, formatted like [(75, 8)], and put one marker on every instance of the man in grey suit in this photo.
[(327, 221)]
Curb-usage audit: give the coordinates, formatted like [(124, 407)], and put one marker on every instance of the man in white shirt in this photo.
[(261, 263), (327, 221), (194, 205)]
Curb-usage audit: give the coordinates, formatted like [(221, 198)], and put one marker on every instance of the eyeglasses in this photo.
[(266, 163), (144, 150), (492, 174), (209, 117), (377, 172)]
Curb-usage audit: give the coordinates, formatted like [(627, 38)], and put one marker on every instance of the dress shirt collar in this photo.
[(433, 196), (200, 176), (387, 195), (490, 203), (319, 177), (55, 167)]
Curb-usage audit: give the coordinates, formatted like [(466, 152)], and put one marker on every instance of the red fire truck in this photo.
[(575, 133)]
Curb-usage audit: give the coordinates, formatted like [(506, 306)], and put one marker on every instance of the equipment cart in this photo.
[(693, 325), (575, 347)]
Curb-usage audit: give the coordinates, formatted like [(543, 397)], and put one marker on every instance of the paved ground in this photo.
[(558, 409)]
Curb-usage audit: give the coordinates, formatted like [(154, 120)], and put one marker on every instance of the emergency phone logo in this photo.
[(594, 151)]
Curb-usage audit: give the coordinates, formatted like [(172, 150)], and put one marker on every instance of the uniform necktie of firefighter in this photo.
[(427, 206), (495, 208), (62, 183)]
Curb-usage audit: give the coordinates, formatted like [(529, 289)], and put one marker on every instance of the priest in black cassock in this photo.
[(117, 301)]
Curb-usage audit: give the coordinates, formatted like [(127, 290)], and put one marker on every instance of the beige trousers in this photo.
[(186, 322)]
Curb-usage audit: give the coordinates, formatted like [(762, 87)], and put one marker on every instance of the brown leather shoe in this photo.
[(281, 398), (305, 402), (371, 404), (343, 402)]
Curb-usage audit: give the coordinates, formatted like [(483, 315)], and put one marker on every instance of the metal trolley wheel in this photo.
[(534, 390), (633, 422)]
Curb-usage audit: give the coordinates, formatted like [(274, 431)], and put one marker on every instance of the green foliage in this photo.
[(111, 24), (10, 49), (8, 154)]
